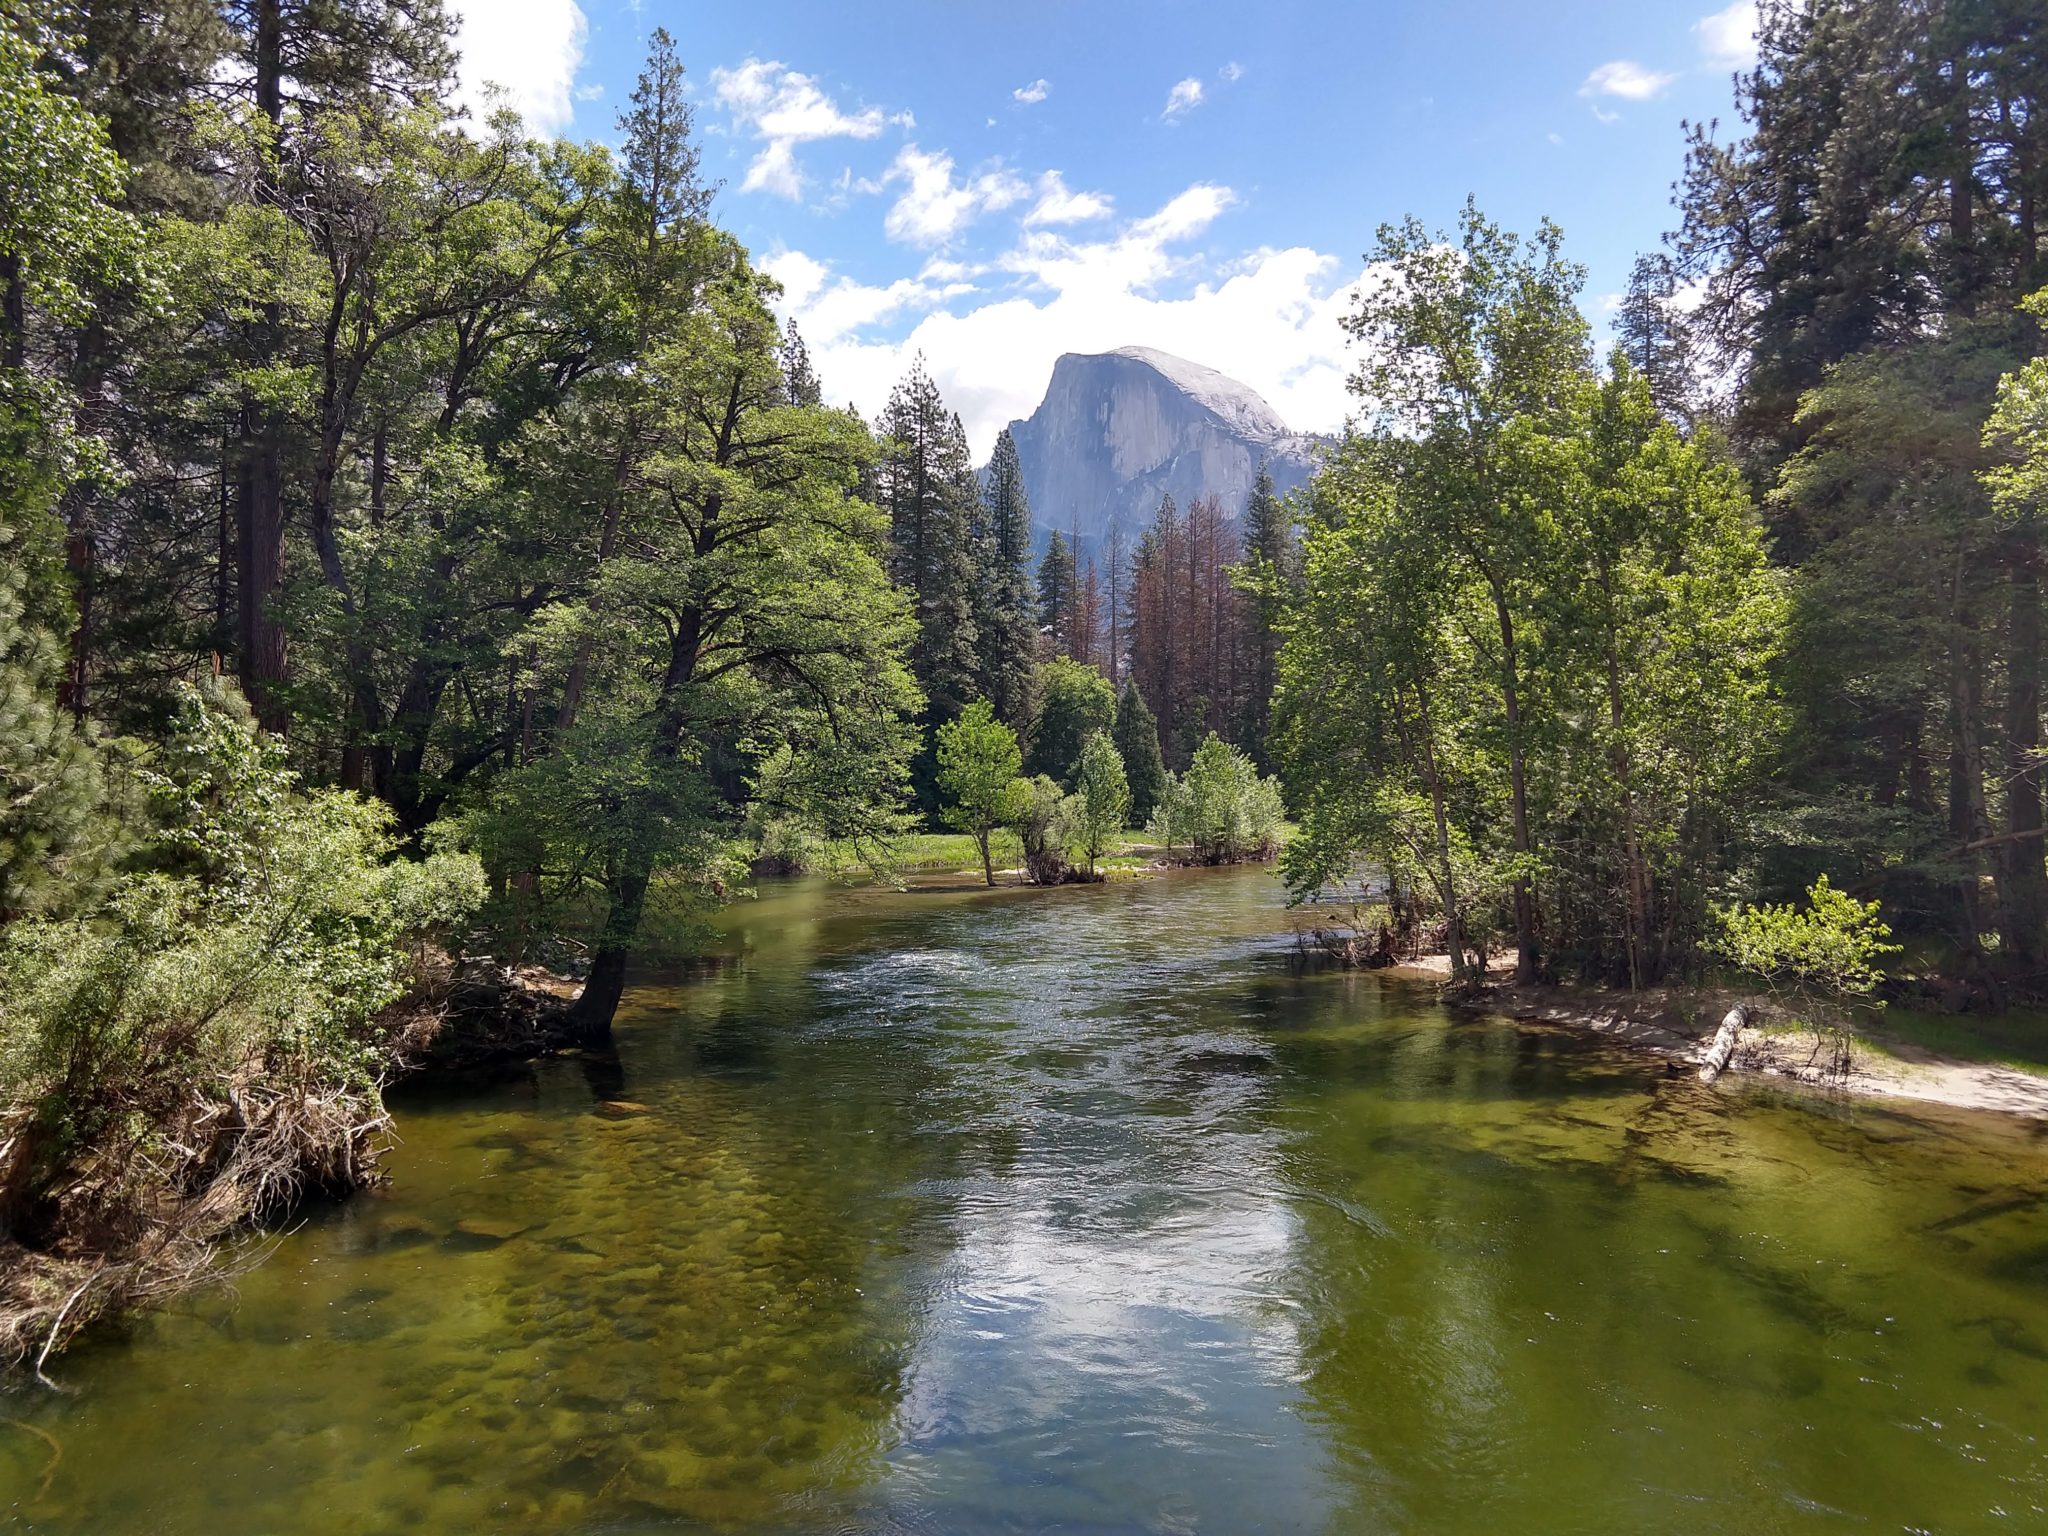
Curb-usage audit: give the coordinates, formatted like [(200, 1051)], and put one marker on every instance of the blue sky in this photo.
[(994, 184)]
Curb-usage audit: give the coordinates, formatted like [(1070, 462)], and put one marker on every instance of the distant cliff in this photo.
[(1119, 430)]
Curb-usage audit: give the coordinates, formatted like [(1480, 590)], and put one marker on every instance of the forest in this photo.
[(425, 546)]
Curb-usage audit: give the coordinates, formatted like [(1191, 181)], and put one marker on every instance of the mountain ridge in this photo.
[(1116, 431)]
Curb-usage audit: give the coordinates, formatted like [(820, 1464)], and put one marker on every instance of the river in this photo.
[(1087, 1210)]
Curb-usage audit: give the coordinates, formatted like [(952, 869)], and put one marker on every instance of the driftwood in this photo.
[(1715, 1061)]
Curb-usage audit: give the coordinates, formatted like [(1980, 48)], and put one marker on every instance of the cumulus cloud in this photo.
[(1627, 79), (1728, 38), (529, 49), (1184, 97), (784, 108), (1058, 205), (934, 207), (1232, 72), (1031, 95), (1268, 317)]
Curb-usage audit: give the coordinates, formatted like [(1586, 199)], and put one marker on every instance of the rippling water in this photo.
[(1083, 1210)]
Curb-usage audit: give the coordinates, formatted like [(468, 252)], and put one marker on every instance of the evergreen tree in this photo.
[(1137, 742), (1266, 573), (1056, 583), (1005, 626), (926, 485)]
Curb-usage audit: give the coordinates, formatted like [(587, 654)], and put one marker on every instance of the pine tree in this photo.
[(1005, 626), (925, 483), (1137, 739), (1269, 558), (62, 237), (1056, 582)]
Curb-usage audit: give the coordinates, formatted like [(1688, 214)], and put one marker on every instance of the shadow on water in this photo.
[(956, 1211)]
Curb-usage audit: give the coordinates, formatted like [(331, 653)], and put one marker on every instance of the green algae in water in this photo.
[(1081, 1209)]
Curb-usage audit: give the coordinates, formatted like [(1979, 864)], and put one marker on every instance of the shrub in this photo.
[(251, 953), (1832, 948), (1227, 812), (1036, 806)]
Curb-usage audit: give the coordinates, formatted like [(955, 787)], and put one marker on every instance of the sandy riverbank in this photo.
[(1678, 1022)]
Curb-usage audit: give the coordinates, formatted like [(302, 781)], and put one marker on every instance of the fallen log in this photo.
[(1715, 1061)]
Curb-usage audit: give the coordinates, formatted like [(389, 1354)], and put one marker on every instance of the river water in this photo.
[(1086, 1210)]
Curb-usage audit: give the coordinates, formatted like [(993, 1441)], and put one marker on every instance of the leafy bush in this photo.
[(1074, 702), (1036, 807), (264, 930), (1221, 806), (1833, 948)]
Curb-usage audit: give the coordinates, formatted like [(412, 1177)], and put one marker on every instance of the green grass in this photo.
[(926, 853), (2017, 1039)]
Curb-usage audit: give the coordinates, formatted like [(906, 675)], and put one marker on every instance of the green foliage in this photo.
[(1228, 812), (1074, 702), (61, 227), (2019, 424), (1137, 742), (1036, 807), (265, 928), (1531, 649), (1005, 627), (978, 762), (1096, 812), (1835, 946)]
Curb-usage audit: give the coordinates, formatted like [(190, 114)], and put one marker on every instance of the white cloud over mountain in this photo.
[(1268, 317), (934, 207)]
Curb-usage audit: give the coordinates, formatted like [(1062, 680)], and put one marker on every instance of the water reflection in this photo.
[(964, 1212)]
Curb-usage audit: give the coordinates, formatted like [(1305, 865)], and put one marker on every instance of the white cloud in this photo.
[(1627, 79), (1268, 317), (1728, 38), (1057, 205), (785, 108), (1233, 71), (530, 49), (1184, 97), (933, 207), (1031, 95)]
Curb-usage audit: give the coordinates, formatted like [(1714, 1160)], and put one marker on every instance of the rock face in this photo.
[(1119, 430)]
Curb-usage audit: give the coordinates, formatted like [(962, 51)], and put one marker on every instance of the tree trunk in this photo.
[(988, 869), (1636, 873), (1967, 821), (260, 513), (599, 1001), (259, 561), (1722, 1049)]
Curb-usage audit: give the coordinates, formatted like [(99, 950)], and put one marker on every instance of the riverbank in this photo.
[(1679, 1023)]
